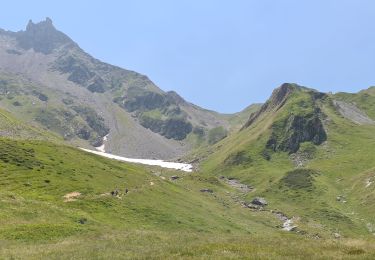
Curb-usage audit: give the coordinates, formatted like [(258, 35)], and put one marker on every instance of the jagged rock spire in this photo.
[(42, 37)]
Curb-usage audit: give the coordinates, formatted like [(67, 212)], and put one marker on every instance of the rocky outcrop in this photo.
[(296, 130), (207, 190), (353, 113), (299, 121), (237, 184), (42, 37), (277, 100), (78, 71), (97, 86), (145, 101), (175, 128), (259, 201)]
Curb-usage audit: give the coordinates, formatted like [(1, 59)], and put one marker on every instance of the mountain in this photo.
[(310, 155), (291, 178), (296, 181), (48, 80)]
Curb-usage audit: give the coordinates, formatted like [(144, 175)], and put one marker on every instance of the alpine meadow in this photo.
[(99, 162)]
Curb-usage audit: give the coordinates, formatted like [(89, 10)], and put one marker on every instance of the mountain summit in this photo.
[(303, 121), (42, 37)]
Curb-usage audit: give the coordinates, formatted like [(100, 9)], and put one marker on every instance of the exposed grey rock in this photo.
[(299, 129), (207, 190), (353, 113), (278, 98), (259, 201), (237, 184), (341, 198), (82, 220), (254, 207), (42, 37)]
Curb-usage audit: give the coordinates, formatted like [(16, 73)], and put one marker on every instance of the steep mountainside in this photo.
[(311, 155), (48, 79)]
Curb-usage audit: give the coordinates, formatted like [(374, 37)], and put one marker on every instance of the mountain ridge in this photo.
[(144, 121)]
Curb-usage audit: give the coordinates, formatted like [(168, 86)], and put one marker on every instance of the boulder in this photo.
[(259, 201), (207, 190)]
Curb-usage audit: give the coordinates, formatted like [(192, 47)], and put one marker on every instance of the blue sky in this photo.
[(222, 55)]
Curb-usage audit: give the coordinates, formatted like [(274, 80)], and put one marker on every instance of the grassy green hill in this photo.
[(56, 203), (12, 127), (157, 218), (308, 160)]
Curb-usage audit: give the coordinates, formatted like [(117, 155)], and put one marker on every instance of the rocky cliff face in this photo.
[(297, 129)]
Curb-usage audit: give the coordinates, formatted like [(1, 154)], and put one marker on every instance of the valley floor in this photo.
[(146, 244)]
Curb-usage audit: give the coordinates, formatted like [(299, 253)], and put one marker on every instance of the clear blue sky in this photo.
[(222, 55)]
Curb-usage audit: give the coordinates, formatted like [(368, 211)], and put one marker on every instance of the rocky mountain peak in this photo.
[(280, 94), (46, 25), (278, 98), (42, 37)]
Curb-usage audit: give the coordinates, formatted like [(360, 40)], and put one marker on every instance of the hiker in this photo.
[(114, 193)]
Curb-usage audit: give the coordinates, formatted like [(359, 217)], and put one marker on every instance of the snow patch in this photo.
[(170, 165), (102, 147)]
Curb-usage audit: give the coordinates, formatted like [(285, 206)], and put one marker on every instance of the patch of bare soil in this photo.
[(72, 196)]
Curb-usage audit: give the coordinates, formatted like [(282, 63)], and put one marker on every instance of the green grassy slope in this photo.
[(237, 120), (53, 111), (157, 218), (322, 185), (364, 100), (14, 128)]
